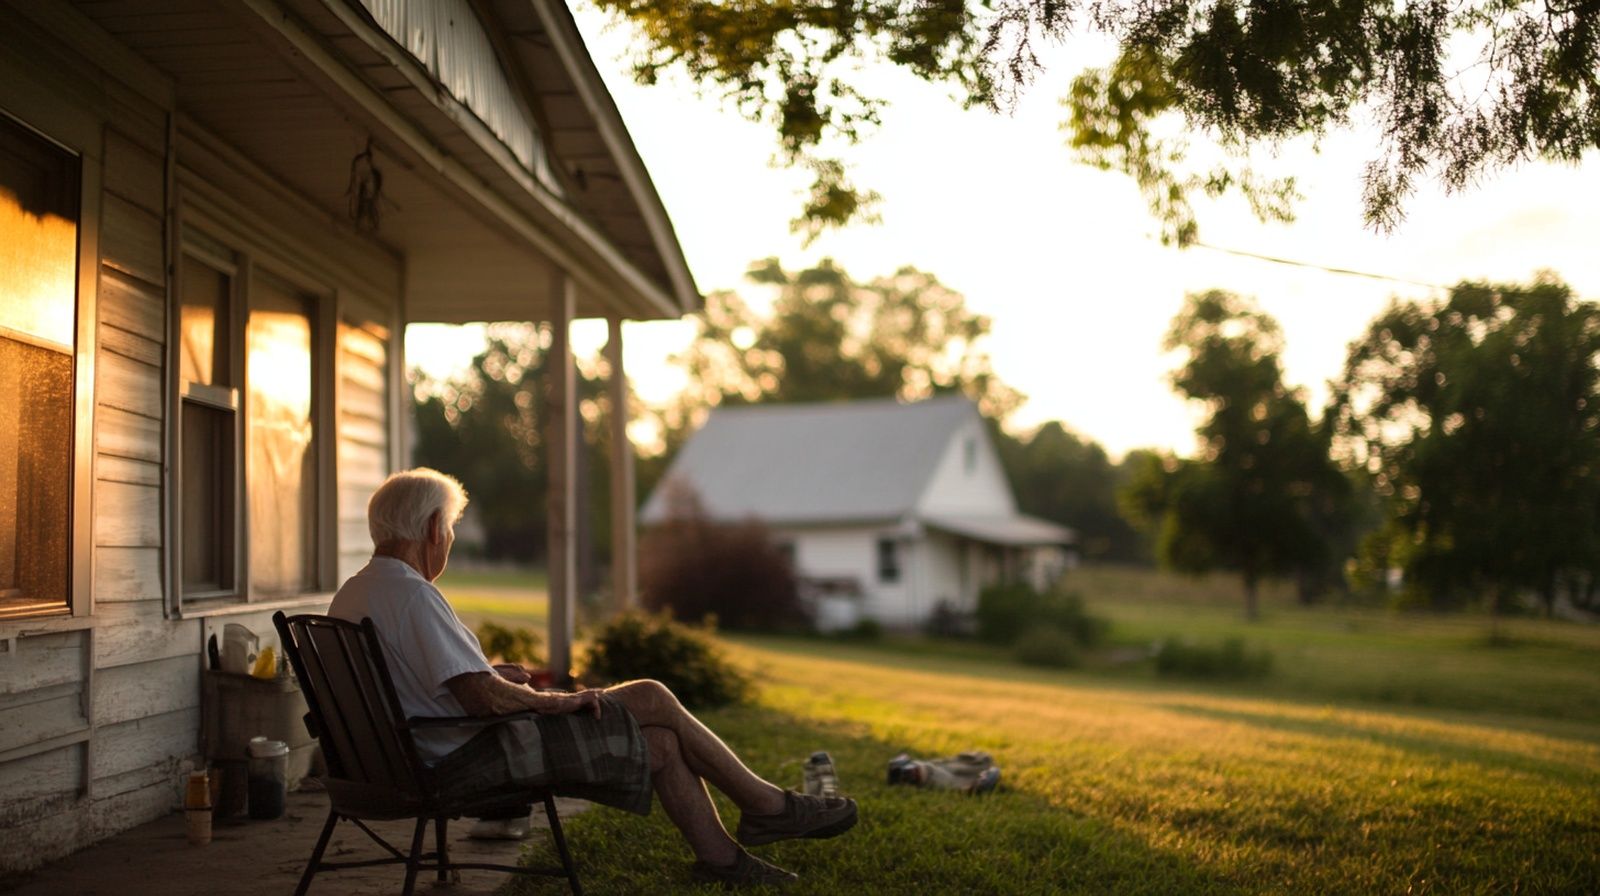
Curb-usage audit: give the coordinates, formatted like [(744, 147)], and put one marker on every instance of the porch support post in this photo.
[(560, 439), (624, 548)]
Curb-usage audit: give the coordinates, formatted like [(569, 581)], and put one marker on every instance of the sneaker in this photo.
[(818, 778), (746, 871), (499, 829), (803, 815), (986, 782)]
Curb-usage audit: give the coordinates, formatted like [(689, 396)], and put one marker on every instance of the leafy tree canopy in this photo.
[(1060, 475), (1263, 496), (1479, 421), (831, 338), (1455, 89)]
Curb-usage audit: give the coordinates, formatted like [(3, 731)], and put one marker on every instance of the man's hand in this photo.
[(485, 694), (562, 703)]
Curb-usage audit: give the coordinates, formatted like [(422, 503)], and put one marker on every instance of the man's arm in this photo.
[(487, 694)]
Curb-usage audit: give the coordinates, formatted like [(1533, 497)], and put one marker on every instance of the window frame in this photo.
[(200, 247), (890, 568), (80, 135), (202, 236)]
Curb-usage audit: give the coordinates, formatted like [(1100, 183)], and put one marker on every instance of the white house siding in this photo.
[(852, 553), (98, 721), (959, 488), (940, 558)]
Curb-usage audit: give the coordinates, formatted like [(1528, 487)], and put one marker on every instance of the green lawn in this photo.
[(1384, 754), (512, 597)]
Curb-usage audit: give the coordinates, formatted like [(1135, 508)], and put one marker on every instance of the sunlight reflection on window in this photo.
[(281, 467), (38, 305), (38, 267)]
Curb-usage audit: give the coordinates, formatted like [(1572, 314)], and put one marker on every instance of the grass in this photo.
[(513, 597), (1383, 754)]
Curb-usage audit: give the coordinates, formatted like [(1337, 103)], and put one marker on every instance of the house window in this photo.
[(969, 455), (888, 560), (281, 463), (39, 196), (208, 413), (249, 351)]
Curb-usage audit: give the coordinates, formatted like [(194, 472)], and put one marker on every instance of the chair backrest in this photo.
[(352, 701)]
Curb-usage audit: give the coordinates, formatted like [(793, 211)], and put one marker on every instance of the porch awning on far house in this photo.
[(1016, 530)]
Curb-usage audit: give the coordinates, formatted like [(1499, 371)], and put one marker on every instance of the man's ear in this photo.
[(435, 530)]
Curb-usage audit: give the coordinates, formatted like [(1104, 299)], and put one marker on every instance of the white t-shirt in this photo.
[(424, 644)]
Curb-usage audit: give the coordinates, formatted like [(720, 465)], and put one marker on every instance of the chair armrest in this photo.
[(416, 722)]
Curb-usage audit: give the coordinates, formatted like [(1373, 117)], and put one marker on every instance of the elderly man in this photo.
[(610, 745)]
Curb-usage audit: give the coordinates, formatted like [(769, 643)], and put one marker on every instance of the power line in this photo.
[(1315, 267)]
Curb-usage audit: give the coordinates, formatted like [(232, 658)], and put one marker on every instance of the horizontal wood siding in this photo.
[(98, 725), (363, 424)]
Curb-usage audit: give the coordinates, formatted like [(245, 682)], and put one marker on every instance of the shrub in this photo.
[(863, 630), (1230, 659), (694, 567), (510, 645), (685, 659), (1005, 612), (1048, 646)]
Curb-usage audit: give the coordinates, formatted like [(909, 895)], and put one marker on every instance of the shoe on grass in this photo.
[(499, 829), (803, 815), (746, 871)]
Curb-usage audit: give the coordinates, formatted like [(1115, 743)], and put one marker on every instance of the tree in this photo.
[(487, 428), (1456, 90), (829, 338), (1479, 421), (1263, 493), (1062, 476)]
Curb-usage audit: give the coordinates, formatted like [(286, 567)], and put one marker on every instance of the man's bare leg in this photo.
[(684, 798), (706, 756)]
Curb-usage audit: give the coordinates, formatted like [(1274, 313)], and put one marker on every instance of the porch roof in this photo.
[(1017, 530), (300, 87)]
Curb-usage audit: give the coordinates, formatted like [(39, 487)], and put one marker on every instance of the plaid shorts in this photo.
[(605, 760)]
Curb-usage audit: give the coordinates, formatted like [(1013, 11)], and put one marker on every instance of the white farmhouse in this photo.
[(888, 510)]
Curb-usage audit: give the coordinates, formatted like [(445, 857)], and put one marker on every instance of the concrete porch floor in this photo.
[(260, 857)]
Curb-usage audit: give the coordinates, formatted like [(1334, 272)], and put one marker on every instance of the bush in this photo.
[(1005, 612), (863, 630), (1230, 659), (510, 645), (640, 645), (1048, 646), (694, 567)]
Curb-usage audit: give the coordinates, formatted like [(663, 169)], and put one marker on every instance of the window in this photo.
[(39, 197), (248, 350), (888, 560), (281, 464), (969, 455), (208, 414)]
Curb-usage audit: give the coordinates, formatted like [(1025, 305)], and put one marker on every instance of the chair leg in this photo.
[(316, 854), (440, 838), (415, 856), (561, 844)]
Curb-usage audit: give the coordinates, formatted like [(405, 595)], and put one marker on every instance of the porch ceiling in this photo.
[(301, 87)]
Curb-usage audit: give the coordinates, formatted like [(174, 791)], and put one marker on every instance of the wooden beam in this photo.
[(560, 431), (624, 550)]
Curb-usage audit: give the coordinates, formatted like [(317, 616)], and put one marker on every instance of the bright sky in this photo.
[(1062, 257)]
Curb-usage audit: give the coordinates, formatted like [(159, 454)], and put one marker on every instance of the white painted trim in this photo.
[(568, 44)]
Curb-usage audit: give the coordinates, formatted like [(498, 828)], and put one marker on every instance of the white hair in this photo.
[(401, 507)]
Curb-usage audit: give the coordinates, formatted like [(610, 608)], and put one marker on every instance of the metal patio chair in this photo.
[(374, 771)]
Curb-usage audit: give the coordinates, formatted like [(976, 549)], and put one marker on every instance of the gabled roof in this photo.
[(816, 463)]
